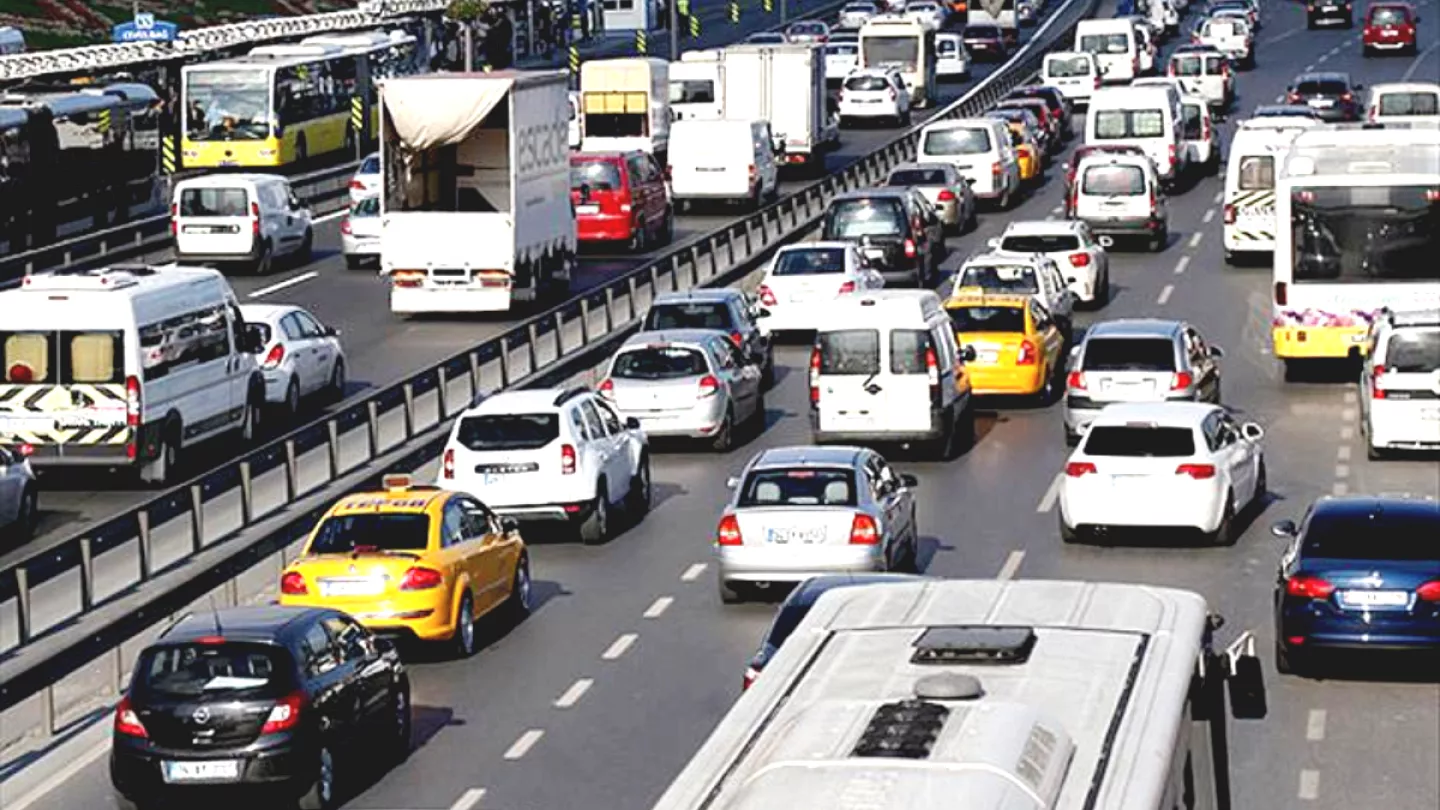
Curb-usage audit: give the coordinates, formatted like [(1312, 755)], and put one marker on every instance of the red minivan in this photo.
[(1390, 27), (620, 197)]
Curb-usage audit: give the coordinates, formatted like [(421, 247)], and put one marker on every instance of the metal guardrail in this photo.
[(279, 486)]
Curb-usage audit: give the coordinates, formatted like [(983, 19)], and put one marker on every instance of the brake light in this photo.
[(1097, 83), (1376, 392), (815, 376), (132, 401), (708, 386), (567, 459), (1079, 259), (1075, 469), (932, 372), (1076, 380), (275, 357), (356, 185), (1347, 98), (751, 673), (847, 287), (767, 295), (668, 172), (607, 388), (419, 578), (1282, 293), (863, 531), (909, 248), (1199, 472), (345, 226), (945, 195), (738, 339), (292, 583), (1027, 354), (127, 722), (1205, 128), (997, 170), (1229, 214), (1181, 380), (754, 173), (1307, 586), (1170, 70), (174, 219), (1170, 155), (893, 96), (728, 532), (255, 218), (1430, 591), (285, 715), (447, 464)]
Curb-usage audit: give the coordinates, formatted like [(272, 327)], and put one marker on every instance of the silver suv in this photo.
[(723, 309), (1138, 360)]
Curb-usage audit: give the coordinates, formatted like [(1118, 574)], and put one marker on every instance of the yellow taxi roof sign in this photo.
[(395, 482)]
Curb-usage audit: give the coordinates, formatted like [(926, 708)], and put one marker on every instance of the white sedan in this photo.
[(855, 15), (1082, 260), (872, 93), (926, 13), (300, 356), (366, 181), (803, 279), (1163, 465)]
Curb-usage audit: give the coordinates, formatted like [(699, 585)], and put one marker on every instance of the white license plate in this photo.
[(874, 253), (587, 209), (794, 536), (1322, 102), (1364, 599), (987, 357), (218, 770), (351, 587), (203, 229)]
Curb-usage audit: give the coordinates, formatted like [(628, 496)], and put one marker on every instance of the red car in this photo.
[(620, 197), (1082, 153), (1390, 27)]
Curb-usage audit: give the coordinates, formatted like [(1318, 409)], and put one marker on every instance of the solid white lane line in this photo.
[(1195, 239), (1342, 470), (469, 800), (1315, 725), (1340, 488), (1165, 294), (1059, 209), (280, 285), (1012, 564), (1343, 452), (1209, 216), (1181, 265), (658, 607), (60, 777), (331, 216), (693, 572), (1051, 495), (572, 695), (523, 745), (618, 647), (1309, 783)]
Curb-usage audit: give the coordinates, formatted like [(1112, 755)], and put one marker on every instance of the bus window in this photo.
[(901, 53), (1365, 234), (227, 105)]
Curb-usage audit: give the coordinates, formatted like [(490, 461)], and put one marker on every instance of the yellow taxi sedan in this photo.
[(1019, 350), (413, 561)]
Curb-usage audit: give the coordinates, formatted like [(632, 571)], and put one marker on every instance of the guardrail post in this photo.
[(142, 538), (47, 712), (504, 361), (584, 322), (610, 306), (87, 574), (332, 447), (714, 257), (749, 229), (559, 335), (474, 358), (729, 247), (409, 390), (632, 309), (655, 282), (533, 333), (22, 604), (197, 517), (247, 494), (372, 427), (117, 672), (442, 398), (292, 473)]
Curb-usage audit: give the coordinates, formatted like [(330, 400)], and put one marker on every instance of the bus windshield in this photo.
[(1364, 234), (902, 53), (227, 105)]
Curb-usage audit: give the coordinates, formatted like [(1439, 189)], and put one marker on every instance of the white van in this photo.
[(1257, 150), (886, 368), (722, 160), (1149, 117), (1075, 73), (1404, 102), (239, 219), (981, 150), (125, 367), (1119, 197), (1116, 46), (1205, 72)]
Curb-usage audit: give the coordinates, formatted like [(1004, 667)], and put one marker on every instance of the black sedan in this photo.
[(985, 43), (1331, 94)]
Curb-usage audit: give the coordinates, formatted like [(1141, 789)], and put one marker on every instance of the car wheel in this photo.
[(729, 593), (307, 249), (463, 641), (1262, 486), (1374, 453), (354, 262), (640, 490), (1224, 534), (29, 514), (264, 263), (158, 472), (336, 387), (521, 591), (322, 794), (403, 723), (249, 422), (1047, 389), (597, 525), (756, 426), (943, 448), (291, 405), (1005, 198), (1230, 258), (725, 436), (1160, 240), (1067, 535), (1287, 661), (767, 380), (639, 239), (667, 230)]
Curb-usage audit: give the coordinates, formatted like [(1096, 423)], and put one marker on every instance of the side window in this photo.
[(577, 425), (5, 460), (1198, 350), (723, 352), (290, 325), (352, 642), (319, 657), (309, 327), (477, 521), (452, 525), (1211, 428), (610, 418), (237, 326), (1039, 316), (592, 420)]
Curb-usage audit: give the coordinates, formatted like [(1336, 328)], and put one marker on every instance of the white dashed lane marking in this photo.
[(1315, 725), (693, 572), (572, 695), (1343, 452), (1340, 488), (1309, 785), (1012, 565), (469, 800), (1195, 239), (522, 746), (1181, 265), (1209, 216), (1165, 294), (658, 607), (1047, 502), (619, 647)]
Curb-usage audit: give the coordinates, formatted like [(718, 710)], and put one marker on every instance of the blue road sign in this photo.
[(145, 28)]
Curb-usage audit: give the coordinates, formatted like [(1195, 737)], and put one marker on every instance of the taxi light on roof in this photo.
[(396, 481)]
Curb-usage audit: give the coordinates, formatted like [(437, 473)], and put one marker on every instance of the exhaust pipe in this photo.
[(1107, 241)]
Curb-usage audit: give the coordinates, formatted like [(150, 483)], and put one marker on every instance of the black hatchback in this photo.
[(891, 229), (269, 699), (1331, 94)]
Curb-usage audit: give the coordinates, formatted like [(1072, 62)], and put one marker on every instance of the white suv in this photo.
[(559, 455), (1400, 384)]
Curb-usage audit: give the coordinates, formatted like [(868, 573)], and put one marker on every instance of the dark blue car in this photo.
[(1360, 573)]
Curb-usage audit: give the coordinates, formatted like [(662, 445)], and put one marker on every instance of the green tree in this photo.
[(466, 10)]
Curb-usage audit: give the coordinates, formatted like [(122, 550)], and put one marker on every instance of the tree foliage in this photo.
[(466, 10)]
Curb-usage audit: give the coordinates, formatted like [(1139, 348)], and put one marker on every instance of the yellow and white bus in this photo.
[(283, 104), (900, 43), (1358, 215)]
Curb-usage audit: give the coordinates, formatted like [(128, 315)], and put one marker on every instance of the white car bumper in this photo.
[(1404, 424), (699, 422), (419, 300), (1095, 501), (869, 109)]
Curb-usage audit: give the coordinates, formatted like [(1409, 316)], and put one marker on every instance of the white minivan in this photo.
[(1149, 117), (1119, 197), (981, 150), (1116, 46), (1075, 74), (722, 160), (886, 368), (1404, 102), (240, 219)]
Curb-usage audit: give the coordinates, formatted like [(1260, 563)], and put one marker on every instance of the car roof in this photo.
[(534, 400), (1134, 327), (1026, 227), (692, 336), (1163, 414), (698, 295), (1009, 257), (927, 165), (1404, 87), (1197, 48), (808, 456), (223, 180), (245, 623)]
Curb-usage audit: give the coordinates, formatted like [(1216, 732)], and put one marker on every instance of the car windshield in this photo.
[(1214, 64), (214, 202), (1413, 351), (1007, 278), (857, 219), (1040, 243), (917, 177), (807, 28), (368, 207), (1409, 104), (1114, 181), (867, 83), (508, 431), (1132, 441), (659, 363), (956, 141), (1364, 234), (688, 315), (598, 175), (1009, 320), (1388, 15), (1105, 43), (225, 670), (1224, 28), (850, 352), (809, 262), (1115, 124), (1063, 67), (1129, 354), (1402, 534), (376, 531), (802, 486)]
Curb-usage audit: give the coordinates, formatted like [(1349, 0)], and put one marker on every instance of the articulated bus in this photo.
[(281, 104), (900, 43), (1358, 215)]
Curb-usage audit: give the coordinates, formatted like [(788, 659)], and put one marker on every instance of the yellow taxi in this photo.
[(1027, 151), (1019, 350), (414, 561)]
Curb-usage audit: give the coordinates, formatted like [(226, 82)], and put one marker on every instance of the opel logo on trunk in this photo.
[(201, 715)]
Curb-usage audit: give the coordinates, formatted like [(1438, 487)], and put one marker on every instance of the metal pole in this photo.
[(674, 12), (469, 39), (784, 11)]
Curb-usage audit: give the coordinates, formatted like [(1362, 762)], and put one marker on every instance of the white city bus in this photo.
[(939, 694), (900, 43), (1358, 229)]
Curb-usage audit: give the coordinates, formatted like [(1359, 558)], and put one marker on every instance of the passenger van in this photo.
[(1116, 46), (248, 220), (981, 150), (886, 368), (1204, 72), (125, 367), (1074, 73), (722, 160), (1006, 695), (1257, 149), (1404, 102), (1149, 117), (1119, 197)]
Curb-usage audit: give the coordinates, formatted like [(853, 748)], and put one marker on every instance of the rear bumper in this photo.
[(1318, 627), (1087, 505), (136, 769), (1401, 425), (699, 422), (1005, 380), (352, 245), (604, 228), (1389, 44), (1300, 343), (252, 255), (938, 419), (1122, 226), (786, 563), (417, 300), (426, 618)]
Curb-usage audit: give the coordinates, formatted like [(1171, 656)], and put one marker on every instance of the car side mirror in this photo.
[(909, 481), (330, 331), (631, 423), (994, 242), (1284, 529), (1065, 167), (1074, 355), (509, 524), (732, 482), (1217, 352), (254, 339), (1252, 431), (1245, 678), (969, 354)]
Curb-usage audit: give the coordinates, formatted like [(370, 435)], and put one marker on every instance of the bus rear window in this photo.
[(1365, 234), (94, 358)]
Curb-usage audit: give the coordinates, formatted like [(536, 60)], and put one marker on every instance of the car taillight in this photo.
[(447, 464), (419, 578), (285, 715), (1181, 380), (567, 459), (174, 219), (1075, 469), (127, 722), (1373, 114), (132, 401), (669, 172), (1204, 129), (1079, 259), (1347, 98), (1097, 83), (893, 95), (1376, 392), (997, 170), (292, 583), (1430, 591), (1170, 70), (945, 195), (932, 372), (255, 218), (1282, 293), (728, 532), (709, 386), (345, 227), (767, 295), (738, 339), (1170, 155), (1307, 586), (607, 388), (815, 376), (1229, 214), (275, 356), (356, 185), (847, 287), (1293, 98), (754, 173), (1199, 472), (751, 673), (1076, 380), (863, 531), (1027, 354), (909, 248)]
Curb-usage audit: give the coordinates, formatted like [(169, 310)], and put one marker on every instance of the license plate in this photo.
[(217, 770), (351, 587), (794, 536), (1364, 599), (587, 209), (203, 229), (987, 357), (1321, 102)]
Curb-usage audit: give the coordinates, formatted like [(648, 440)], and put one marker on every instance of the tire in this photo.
[(725, 436), (1103, 296), (729, 594), (250, 421), (1374, 453), (354, 262), (1047, 390), (1366, 52), (24, 526), (1068, 535), (302, 149), (943, 448), (596, 526), (1230, 258), (767, 378), (335, 389), (266, 262), (638, 499), (1224, 534), (1071, 439), (402, 723), (965, 431), (907, 560), (291, 406), (755, 426), (306, 253), (1289, 662), (518, 605), (462, 643), (1005, 199), (639, 240), (667, 231), (1159, 241), (322, 795), (1262, 486)]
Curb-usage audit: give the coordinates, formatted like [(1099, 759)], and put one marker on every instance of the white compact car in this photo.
[(550, 455), (19, 496), (299, 355), (360, 233), (1400, 384), (802, 280), (841, 59), (952, 61), (1172, 465), (1074, 249), (366, 182), (872, 94), (928, 14), (1076, 74), (855, 15)]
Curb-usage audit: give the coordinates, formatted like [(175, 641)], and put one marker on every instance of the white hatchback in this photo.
[(1076, 74), (1400, 384), (802, 280), (855, 15), (1168, 465), (300, 356), (870, 94), (1083, 262), (928, 14)]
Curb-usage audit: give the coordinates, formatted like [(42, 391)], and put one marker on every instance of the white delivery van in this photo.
[(1076, 74), (125, 366), (1257, 151), (1119, 197), (696, 83), (722, 160), (1204, 72), (1116, 46), (1404, 103), (1148, 117), (886, 368), (248, 220), (625, 105), (981, 150)]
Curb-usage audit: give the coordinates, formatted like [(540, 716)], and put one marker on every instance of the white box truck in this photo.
[(785, 85), (625, 105), (696, 86), (475, 209)]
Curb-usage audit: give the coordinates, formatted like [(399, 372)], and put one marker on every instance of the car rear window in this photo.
[(1129, 124), (1019, 279), (907, 351), (1389, 16), (1125, 181), (659, 363), (1407, 535), (371, 165), (808, 28), (1009, 320), (1413, 351), (1188, 65), (956, 141), (1223, 28), (1129, 354), (1257, 173), (599, 175), (809, 262), (1214, 64), (688, 315), (917, 177), (946, 46), (857, 219), (508, 431), (1067, 67), (1132, 441), (802, 486), (981, 32), (229, 670), (842, 49), (692, 91), (1041, 243), (1321, 87), (860, 83), (1410, 104), (214, 202), (372, 531), (1105, 43), (848, 352)]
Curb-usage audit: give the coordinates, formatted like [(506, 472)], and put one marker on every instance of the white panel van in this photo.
[(1116, 46), (1149, 117), (981, 150), (722, 160), (240, 219)]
